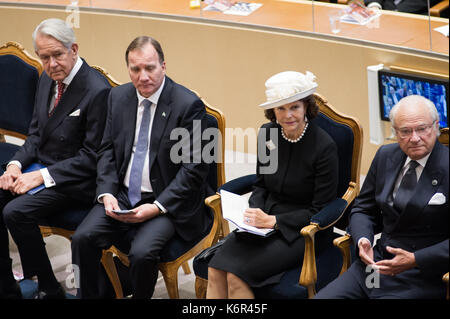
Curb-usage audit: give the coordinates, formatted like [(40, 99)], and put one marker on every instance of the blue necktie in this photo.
[(406, 188), (134, 189)]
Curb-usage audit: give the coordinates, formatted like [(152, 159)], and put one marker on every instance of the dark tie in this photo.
[(60, 87), (406, 188), (134, 189)]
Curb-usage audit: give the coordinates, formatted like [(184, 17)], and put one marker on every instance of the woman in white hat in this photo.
[(304, 181)]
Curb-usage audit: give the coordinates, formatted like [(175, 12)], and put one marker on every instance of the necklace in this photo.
[(298, 138)]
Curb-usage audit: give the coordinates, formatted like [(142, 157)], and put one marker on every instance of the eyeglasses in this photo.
[(421, 130), (58, 56)]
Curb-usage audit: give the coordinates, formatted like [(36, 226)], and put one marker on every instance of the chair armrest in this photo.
[(445, 279), (322, 220), (308, 276), (343, 243), (240, 185), (216, 233), (438, 8), (330, 214)]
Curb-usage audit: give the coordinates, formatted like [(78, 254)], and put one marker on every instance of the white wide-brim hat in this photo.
[(287, 87)]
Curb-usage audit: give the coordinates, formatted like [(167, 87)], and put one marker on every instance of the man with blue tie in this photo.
[(405, 197), (136, 174)]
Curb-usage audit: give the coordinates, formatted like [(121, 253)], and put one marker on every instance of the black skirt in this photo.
[(258, 261)]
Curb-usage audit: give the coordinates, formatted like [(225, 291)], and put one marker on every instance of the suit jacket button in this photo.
[(61, 138)]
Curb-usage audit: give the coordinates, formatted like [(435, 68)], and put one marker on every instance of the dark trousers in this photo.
[(99, 231), (21, 215), (6, 275), (358, 283)]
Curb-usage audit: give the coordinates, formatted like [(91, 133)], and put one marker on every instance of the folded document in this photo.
[(233, 207)]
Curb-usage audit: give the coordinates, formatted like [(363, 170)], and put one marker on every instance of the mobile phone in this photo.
[(123, 211)]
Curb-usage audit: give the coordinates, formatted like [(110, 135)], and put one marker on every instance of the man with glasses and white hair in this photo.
[(405, 197), (63, 138)]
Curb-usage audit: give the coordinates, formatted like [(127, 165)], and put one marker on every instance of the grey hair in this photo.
[(411, 100), (57, 29)]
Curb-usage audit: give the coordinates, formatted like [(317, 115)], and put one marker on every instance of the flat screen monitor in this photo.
[(393, 86)]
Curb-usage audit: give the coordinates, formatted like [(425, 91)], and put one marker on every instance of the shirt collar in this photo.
[(421, 161), (73, 72), (154, 98)]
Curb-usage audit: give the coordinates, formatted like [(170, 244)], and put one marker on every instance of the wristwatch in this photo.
[(161, 212)]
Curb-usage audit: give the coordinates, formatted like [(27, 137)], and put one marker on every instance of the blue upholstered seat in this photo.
[(7, 151), (69, 219), (18, 81), (19, 75)]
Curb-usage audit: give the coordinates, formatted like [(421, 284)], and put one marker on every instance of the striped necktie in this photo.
[(60, 86), (406, 188)]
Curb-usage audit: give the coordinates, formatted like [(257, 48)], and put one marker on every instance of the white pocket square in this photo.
[(75, 113), (437, 199)]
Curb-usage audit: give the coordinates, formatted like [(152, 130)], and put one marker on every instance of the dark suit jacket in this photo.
[(179, 187), (421, 228), (65, 144), (305, 180), (411, 6)]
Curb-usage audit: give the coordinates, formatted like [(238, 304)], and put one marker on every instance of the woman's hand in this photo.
[(257, 218)]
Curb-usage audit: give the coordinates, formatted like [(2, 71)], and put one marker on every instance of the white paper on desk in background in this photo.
[(243, 8), (346, 18), (233, 207), (239, 8), (443, 30), (356, 12)]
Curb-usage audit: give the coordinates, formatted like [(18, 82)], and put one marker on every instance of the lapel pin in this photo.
[(270, 145), (163, 114), (434, 182)]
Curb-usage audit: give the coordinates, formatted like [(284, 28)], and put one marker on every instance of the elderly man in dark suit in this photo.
[(64, 136), (405, 196), (137, 171)]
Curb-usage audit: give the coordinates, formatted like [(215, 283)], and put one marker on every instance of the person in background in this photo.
[(410, 6)]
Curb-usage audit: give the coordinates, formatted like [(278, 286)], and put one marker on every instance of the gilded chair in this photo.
[(19, 75), (440, 9), (65, 224), (443, 138), (317, 268), (344, 243), (177, 252)]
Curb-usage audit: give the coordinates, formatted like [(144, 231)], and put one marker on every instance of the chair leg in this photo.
[(186, 268), (200, 287), (171, 280), (111, 271), (311, 291)]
